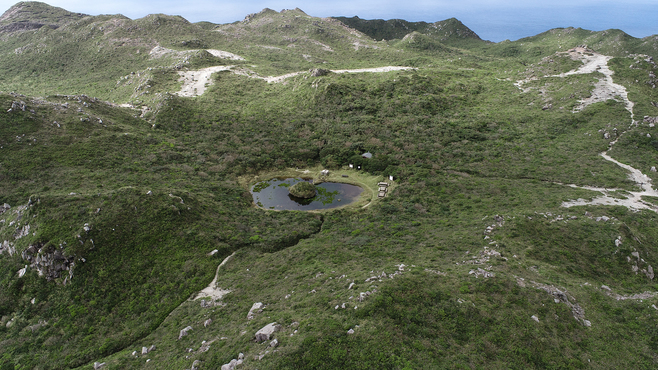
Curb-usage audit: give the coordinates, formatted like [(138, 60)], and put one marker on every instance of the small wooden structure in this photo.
[(383, 189)]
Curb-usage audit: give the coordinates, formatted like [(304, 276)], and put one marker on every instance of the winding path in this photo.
[(603, 90), (212, 290), (196, 82)]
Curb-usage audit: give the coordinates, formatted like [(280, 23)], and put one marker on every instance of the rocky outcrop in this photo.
[(638, 265), (24, 231), (559, 296), (318, 72), (49, 261), (17, 105), (8, 247), (480, 272)]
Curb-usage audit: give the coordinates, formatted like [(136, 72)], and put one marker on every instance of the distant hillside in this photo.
[(449, 31), (612, 42), (34, 15), (292, 31)]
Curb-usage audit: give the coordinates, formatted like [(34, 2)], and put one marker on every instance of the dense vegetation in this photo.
[(484, 267)]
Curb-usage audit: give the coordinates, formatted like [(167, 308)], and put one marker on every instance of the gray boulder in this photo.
[(266, 332)]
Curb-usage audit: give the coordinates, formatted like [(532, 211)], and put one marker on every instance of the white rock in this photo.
[(274, 343), (241, 356), (351, 285), (184, 332), (266, 332), (255, 308), (231, 365), (351, 331), (653, 169), (145, 350), (587, 323), (98, 365), (535, 318), (207, 323)]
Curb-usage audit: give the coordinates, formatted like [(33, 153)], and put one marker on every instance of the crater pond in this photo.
[(273, 194)]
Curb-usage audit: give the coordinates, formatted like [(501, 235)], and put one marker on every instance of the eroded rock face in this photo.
[(49, 262)]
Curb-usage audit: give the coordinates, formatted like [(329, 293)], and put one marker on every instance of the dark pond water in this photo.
[(273, 194)]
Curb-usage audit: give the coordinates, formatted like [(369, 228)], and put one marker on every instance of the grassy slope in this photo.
[(463, 143)]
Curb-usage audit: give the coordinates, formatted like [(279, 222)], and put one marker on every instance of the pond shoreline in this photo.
[(366, 181), (274, 194)]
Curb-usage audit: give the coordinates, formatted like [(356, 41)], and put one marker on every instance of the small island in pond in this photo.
[(303, 189)]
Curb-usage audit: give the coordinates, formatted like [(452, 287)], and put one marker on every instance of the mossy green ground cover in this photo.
[(160, 192)]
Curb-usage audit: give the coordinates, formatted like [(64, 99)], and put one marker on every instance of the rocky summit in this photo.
[(506, 216)]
